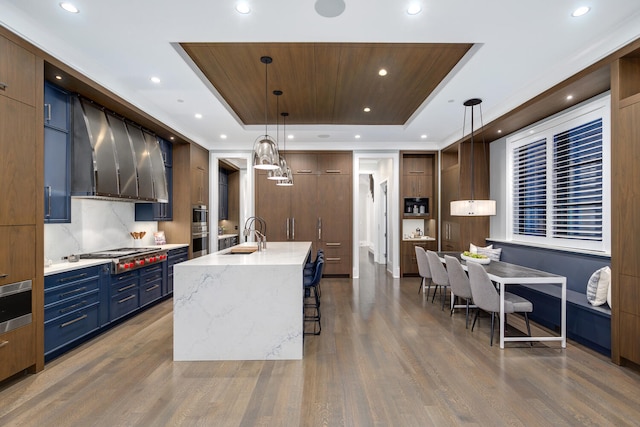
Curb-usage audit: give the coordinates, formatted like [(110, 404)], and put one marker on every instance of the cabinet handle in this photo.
[(287, 227), (126, 299), (3, 85), (304, 171), (48, 107), (319, 228), (4, 275), (71, 322), (420, 172), (127, 287), (77, 276), (3, 343), (333, 259), (72, 307), (332, 171), (333, 244), (75, 291), (293, 229), (151, 288), (48, 187)]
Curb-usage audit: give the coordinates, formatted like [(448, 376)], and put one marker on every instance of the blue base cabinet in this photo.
[(174, 256), (151, 279), (73, 308), (123, 294)]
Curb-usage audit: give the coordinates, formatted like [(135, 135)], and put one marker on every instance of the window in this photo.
[(559, 176)]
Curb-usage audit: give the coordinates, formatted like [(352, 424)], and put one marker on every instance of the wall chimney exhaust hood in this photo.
[(114, 159)]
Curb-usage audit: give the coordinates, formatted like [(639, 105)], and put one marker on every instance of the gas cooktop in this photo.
[(127, 259)]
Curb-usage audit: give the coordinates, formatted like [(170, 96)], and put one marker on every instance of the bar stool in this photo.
[(311, 299)]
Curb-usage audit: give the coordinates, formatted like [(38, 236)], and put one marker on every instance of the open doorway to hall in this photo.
[(374, 220)]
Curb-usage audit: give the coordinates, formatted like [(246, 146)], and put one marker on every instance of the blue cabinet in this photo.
[(151, 279), (73, 307), (174, 257), (57, 154), (223, 194), (123, 294), (160, 211)]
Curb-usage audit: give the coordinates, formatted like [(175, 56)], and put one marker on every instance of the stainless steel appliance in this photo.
[(15, 305), (200, 231), (127, 259)]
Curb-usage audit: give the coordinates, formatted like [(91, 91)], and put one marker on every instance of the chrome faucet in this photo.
[(259, 232)]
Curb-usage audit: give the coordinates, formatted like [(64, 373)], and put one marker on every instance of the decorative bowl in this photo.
[(485, 260)]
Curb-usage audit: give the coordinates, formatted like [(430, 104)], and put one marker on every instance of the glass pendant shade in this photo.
[(289, 178), (265, 154), (473, 207), (278, 174)]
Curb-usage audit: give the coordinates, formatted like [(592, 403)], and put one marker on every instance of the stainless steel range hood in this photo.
[(114, 159)]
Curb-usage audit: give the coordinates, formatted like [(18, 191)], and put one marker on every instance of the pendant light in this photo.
[(286, 172), (265, 150), (277, 174), (473, 207)]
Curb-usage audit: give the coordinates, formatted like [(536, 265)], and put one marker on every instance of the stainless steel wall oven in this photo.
[(200, 231), (15, 305)]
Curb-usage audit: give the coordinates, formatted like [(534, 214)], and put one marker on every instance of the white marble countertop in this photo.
[(418, 239), (277, 253), (64, 266)]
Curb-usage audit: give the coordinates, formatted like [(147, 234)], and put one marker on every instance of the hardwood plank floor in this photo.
[(386, 357)]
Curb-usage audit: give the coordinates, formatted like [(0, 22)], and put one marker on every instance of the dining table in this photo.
[(505, 274)]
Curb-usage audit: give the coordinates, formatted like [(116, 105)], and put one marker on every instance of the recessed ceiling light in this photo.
[(290, 136), (583, 10), (223, 136), (155, 79), (172, 138), (414, 9), (499, 130), (382, 72), (531, 132), (367, 109), (69, 7), (58, 77), (357, 136), (198, 116), (423, 136), (243, 8), (569, 97)]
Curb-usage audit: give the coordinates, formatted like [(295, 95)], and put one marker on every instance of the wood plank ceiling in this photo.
[(326, 83)]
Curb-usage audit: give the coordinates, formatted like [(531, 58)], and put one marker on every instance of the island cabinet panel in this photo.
[(316, 209)]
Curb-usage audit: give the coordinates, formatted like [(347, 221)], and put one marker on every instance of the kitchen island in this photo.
[(240, 306)]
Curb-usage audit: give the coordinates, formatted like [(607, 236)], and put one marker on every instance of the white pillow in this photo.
[(609, 295), (474, 249), (494, 254), (598, 286)]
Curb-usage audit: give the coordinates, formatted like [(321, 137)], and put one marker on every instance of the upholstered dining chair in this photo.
[(459, 282), (486, 297), (423, 269), (439, 275)]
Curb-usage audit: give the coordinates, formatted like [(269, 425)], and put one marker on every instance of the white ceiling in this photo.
[(523, 48)]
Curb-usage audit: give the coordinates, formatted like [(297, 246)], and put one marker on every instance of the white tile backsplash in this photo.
[(95, 225)]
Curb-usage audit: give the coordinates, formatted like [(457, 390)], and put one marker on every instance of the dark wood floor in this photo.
[(386, 357)]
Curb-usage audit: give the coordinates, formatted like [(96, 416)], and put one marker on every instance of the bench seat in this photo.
[(586, 324)]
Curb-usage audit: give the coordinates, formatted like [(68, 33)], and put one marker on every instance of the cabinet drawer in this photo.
[(17, 350), (70, 286), (124, 303), (67, 305), (150, 291), (63, 330), (155, 268), (337, 265)]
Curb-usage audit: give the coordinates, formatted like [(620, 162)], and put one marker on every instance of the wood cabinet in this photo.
[(458, 231), (625, 152), (409, 262), (417, 175), (317, 208), (21, 206), (199, 176)]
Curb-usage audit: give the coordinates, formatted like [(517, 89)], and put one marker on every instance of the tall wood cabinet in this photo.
[(190, 187), (317, 208), (625, 269), (21, 209), (418, 183), (458, 231)]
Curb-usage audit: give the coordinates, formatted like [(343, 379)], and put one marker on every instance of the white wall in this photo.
[(95, 225), (498, 188)]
